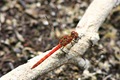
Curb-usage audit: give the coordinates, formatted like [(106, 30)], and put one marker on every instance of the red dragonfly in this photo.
[(63, 42)]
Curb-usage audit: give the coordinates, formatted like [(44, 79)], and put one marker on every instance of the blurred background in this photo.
[(30, 27)]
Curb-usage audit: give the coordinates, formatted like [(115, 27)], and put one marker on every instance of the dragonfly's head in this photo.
[(74, 34)]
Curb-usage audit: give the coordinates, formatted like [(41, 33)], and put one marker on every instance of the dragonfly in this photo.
[(66, 39)]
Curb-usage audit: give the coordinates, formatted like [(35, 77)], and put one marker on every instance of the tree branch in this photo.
[(87, 29)]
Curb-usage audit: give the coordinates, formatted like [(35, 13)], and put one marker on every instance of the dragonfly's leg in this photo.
[(72, 43), (76, 40), (63, 50), (63, 53)]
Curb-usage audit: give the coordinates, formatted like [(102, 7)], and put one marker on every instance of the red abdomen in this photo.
[(46, 56)]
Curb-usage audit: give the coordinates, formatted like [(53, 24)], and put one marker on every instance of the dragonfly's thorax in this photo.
[(65, 40)]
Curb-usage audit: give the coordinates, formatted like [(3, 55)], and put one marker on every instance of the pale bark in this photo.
[(87, 28)]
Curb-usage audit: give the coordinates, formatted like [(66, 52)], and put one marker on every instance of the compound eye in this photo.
[(73, 32)]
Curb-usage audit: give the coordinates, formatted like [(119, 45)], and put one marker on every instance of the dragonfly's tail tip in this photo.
[(32, 67)]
